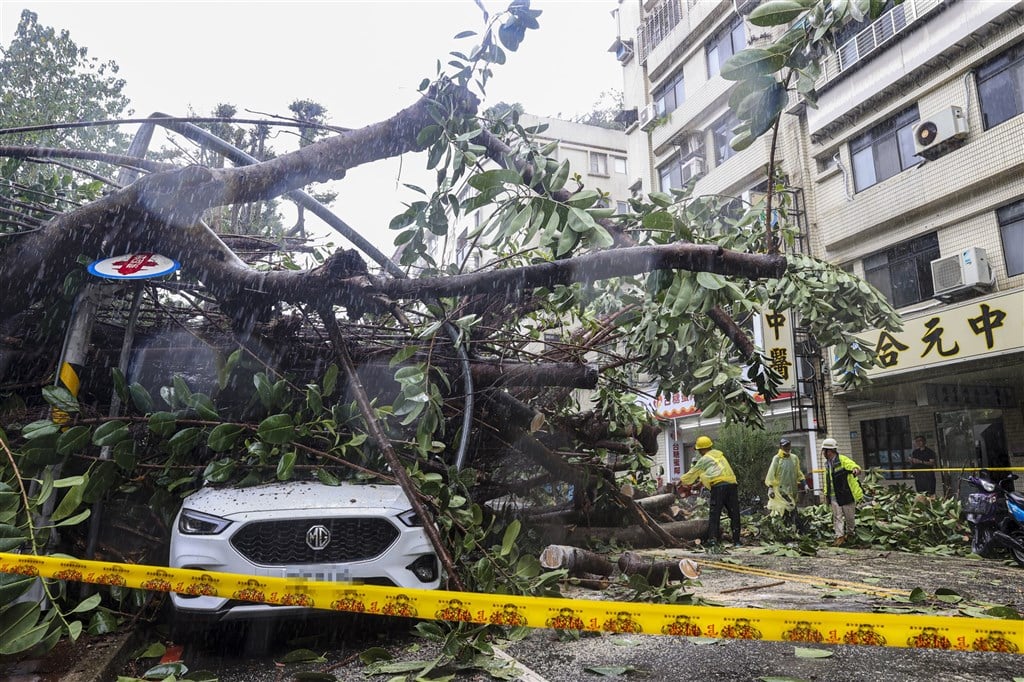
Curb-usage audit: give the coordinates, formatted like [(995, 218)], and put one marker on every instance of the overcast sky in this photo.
[(362, 60)]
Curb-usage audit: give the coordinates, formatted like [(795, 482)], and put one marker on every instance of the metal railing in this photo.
[(875, 36), (656, 26)]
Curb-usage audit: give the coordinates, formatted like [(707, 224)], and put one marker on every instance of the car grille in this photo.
[(284, 542)]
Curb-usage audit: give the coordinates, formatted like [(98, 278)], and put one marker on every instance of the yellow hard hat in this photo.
[(703, 442)]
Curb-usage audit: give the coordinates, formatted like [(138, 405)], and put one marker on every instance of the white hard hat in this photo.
[(829, 444)]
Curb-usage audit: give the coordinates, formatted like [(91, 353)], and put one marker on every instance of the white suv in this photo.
[(363, 533)]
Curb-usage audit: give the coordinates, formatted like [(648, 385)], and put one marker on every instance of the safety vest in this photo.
[(846, 463)]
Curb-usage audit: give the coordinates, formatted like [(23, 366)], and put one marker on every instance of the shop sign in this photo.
[(777, 330), (972, 330)]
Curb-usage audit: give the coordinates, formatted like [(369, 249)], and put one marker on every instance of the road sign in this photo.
[(134, 266)]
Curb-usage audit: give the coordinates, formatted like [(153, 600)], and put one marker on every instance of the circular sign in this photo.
[(134, 266)]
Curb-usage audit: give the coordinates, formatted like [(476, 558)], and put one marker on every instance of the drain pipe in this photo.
[(303, 199)]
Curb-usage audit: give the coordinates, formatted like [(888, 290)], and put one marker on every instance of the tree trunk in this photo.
[(653, 570), (634, 536), (657, 503), (575, 560)]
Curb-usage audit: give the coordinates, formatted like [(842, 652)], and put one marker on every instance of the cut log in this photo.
[(575, 560), (655, 571), (657, 503)]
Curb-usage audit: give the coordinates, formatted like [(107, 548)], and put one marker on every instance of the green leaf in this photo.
[(710, 280), (659, 221), (184, 441), (751, 63), (75, 439), (11, 538), (285, 466), (494, 178), (163, 424), (804, 652), (102, 479), (584, 199), (87, 604), (917, 595), (13, 585), (219, 470), (69, 503), (301, 656), (509, 539), (776, 12), (203, 406), (19, 627), (39, 429), (164, 670), (60, 398), (326, 477), (557, 181), (141, 398), (277, 429), (110, 433), (76, 519), (102, 622), (330, 379), (223, 437), (374, 654), (153, 650), (610, 670)]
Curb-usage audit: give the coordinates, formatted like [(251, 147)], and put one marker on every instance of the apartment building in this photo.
[(910, 173)]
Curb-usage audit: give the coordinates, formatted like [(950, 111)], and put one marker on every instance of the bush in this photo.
[(749, 451)]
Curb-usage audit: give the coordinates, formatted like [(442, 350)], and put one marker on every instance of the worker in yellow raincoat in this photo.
[(784, 480)]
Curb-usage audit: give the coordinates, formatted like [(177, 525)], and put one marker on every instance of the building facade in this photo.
[(909, 173)]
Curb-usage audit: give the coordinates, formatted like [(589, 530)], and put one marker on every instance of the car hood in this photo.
[(291, 495)]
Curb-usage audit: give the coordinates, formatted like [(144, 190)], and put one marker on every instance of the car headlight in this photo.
[(410, 518), (192, 522)]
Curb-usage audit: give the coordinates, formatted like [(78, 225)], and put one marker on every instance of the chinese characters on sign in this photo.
[(970, 330), (777, 333)]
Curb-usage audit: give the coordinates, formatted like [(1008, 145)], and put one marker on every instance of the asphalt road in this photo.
[(254, 654)]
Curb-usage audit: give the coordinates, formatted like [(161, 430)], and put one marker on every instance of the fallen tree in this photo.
[(412, 368)]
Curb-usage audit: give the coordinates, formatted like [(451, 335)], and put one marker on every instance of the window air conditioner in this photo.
[(937, 134), (648, 118), (693, 168), (964, 272)]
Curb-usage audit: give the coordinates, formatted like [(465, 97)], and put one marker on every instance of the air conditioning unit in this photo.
[(624, 50), (938, 133), (693, 168), (964, 272), (689, 143), (648, 118)]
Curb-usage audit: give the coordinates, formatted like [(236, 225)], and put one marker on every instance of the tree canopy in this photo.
[(413, 370)]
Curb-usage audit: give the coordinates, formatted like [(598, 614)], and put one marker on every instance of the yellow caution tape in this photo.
[(918, 471), (818, 627)]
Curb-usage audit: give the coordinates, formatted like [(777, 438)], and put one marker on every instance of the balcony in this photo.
[(657, 25), (875, 36)]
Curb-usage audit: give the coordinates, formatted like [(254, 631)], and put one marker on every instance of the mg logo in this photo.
[(318, 537)]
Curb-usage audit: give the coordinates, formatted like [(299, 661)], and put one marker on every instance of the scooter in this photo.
[(996, 516)]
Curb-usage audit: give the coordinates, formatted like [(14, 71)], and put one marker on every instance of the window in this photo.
[(598, 164), (903, 273), (620, 165), (724, 45), (1001, 87), (670, 95), (887, 445), (885, 150), (621, 207), (677, 172), (722, 133), (1011, 229)]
